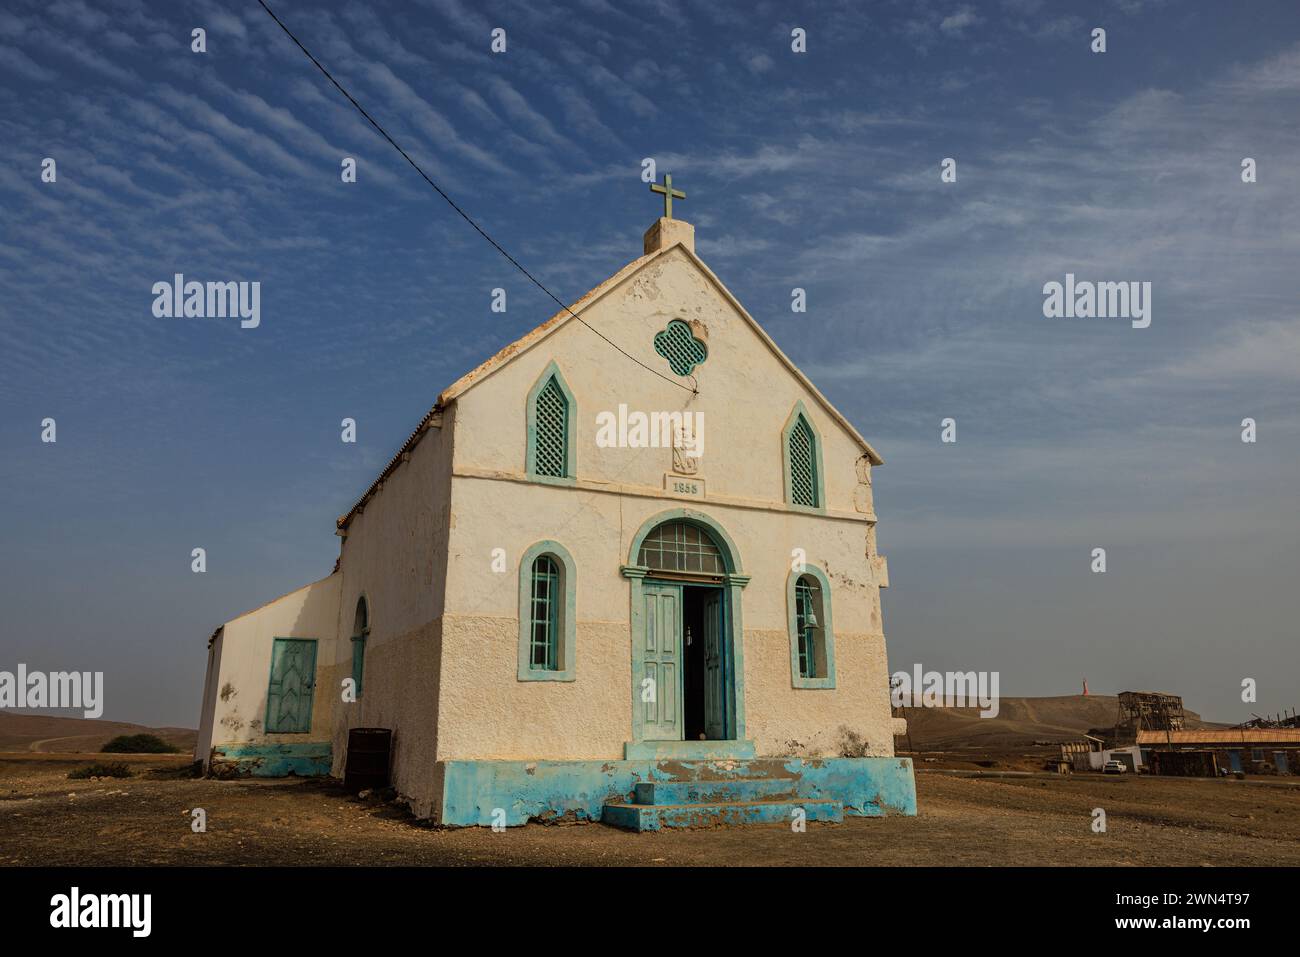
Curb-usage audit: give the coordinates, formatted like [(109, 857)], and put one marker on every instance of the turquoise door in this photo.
[(715, 720), (293, 677), (659, 697), (1279, 761), (1234, 760)]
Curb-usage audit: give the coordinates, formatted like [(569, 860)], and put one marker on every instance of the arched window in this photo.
[(803, 467), (360, 634), (681, 547), (812, 638), (551, 415), (546, 614)]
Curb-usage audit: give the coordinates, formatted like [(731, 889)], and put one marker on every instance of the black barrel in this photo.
[(368, 757)]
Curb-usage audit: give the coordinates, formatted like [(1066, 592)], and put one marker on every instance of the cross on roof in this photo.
[(669, 194)]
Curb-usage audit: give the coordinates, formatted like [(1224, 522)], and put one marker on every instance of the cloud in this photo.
[(11, 58), (959, 20)]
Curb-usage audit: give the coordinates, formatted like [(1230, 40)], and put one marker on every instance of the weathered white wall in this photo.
[(395, 554), (239, 712), (208, 707), (746, 395)]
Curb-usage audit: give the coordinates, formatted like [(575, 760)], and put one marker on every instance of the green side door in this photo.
[(659, 696), (293, 678)]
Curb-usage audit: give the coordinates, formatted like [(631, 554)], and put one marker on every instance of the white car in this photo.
[(1114, 767)]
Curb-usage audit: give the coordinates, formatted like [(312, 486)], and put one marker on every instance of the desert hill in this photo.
[(1020, 722), (45, 732)]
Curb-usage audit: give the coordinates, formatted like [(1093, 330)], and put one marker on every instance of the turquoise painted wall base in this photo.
[(483, 792), (311, 759)]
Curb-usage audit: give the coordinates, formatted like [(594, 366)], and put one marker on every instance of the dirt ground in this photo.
[(47, 819)]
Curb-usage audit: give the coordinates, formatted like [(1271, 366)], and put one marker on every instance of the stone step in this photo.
[(715, 791), (653, 817)]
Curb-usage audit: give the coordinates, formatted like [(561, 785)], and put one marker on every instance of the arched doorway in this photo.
[(687, 665)]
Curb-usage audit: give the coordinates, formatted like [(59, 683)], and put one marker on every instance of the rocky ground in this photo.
[(45, 818)]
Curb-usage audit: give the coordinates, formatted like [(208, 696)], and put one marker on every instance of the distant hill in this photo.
[(44, 732), (1020, 722)]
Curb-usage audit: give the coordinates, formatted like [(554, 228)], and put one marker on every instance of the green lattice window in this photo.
[(803, 464), (806, 626), (545, 625), (550, 451), (681, 547), (679, 346)]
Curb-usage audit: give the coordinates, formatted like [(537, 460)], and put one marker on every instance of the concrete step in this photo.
[(715, 791), (653, 817)]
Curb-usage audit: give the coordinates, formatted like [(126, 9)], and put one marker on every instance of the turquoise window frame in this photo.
[(552, 371), (800, 412), (824, 621), (565, 613), (359, 640)]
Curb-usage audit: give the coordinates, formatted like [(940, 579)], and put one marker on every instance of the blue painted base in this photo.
[(311, 759), (483, 792), (654, 817)]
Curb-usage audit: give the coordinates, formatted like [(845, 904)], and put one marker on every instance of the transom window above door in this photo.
[(681, 547)]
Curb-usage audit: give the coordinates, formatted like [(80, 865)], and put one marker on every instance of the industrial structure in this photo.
[(1151, 734)]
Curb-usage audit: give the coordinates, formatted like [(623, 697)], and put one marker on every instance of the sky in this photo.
[(819, 170)]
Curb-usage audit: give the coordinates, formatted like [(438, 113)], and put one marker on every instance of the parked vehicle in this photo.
[(1114, 767)]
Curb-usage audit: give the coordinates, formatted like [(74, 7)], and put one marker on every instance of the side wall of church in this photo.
[(242, 666), (395, 555)]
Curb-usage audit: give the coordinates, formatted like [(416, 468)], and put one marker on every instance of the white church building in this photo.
[(584, 590)]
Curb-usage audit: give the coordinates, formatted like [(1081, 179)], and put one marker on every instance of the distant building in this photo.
[(1251, 750)]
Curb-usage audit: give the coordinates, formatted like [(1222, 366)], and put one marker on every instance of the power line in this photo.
[(452, 203)]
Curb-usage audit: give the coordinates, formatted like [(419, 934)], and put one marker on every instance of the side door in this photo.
[(660, 693), (293, 680)]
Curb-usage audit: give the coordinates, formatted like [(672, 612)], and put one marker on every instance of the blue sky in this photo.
[(818, 170)]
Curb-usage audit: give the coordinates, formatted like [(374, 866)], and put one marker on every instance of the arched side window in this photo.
[(547, 613), (552, 456), (360, 635), (801, 450), (812, 635)]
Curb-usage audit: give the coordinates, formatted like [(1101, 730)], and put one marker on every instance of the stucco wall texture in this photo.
[(427, 551)]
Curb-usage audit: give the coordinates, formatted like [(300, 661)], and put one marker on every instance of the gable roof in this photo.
[(560, 319), (539, 334)]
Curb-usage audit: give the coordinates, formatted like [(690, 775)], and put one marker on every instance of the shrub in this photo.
[(115, 769), (138, 744)]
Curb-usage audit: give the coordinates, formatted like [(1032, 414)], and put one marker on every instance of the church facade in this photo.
[(579, 581)]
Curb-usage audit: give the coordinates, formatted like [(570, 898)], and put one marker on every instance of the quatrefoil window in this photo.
[(679, 346)]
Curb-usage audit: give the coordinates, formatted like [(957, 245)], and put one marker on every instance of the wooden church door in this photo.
[(293, 676), (715, 723), (661, 657)]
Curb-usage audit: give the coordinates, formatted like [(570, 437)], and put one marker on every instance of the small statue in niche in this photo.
[(686, 455)]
